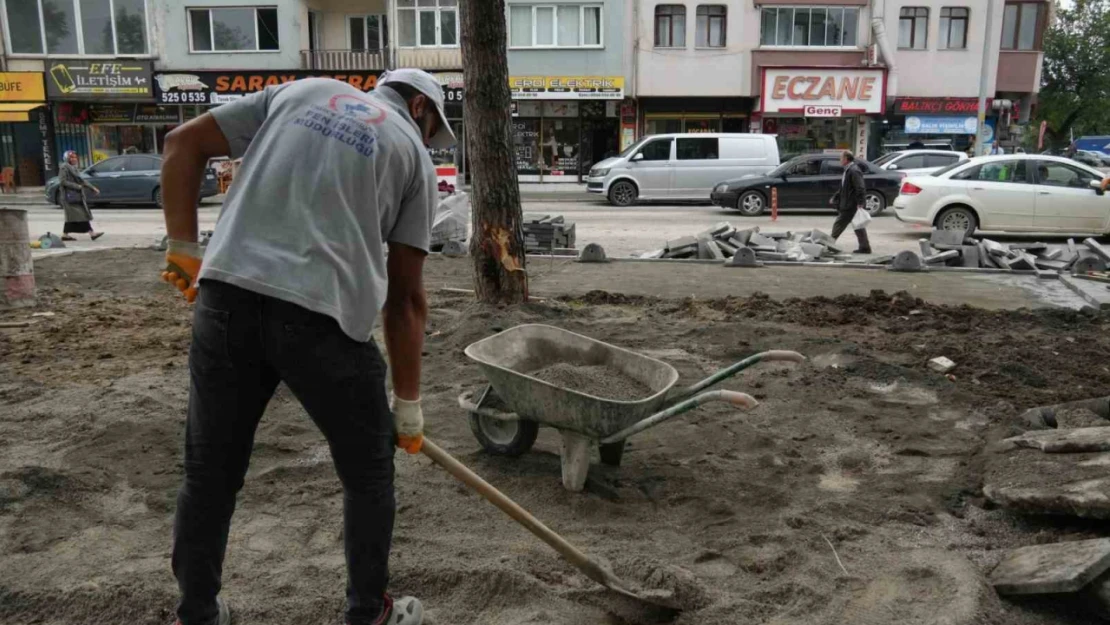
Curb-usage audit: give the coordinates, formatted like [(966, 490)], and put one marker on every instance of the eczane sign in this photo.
[(797, 89)]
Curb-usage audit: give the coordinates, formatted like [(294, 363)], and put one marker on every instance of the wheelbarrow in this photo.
[(505, 416)]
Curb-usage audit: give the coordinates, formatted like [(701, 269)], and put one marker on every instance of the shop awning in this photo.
[(18, 111)]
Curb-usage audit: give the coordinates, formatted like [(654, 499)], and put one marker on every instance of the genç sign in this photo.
[(802, 89)]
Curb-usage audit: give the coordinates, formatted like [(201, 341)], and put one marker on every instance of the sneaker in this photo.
[(403, 611)]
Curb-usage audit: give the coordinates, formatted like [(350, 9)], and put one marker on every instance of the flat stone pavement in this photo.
[(550, 275)]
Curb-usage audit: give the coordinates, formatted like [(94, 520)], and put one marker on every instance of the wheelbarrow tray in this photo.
[(507, 358)]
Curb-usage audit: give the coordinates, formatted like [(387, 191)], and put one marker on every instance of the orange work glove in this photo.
[(183, 260), (409, 419)]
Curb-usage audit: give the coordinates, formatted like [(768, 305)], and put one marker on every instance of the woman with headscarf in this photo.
[(72, 198)]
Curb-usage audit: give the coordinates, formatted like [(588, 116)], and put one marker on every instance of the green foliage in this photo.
[(1075, 80)]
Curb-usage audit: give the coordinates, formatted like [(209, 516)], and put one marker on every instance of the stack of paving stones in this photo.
[(544, 233), (723, 240), (945, 247)]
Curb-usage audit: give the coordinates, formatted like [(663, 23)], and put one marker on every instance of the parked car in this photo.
[(1012, 192), (1087, 158), (1094, 158), (808, 181), (129, 179), (918, 162), (680, 166)]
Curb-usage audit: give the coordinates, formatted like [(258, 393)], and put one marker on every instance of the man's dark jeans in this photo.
[(243, 345)]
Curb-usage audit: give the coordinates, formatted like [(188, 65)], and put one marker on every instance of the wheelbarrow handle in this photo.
[(740, 400), (728, 372)]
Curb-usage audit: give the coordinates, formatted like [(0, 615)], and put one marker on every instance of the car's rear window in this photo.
[(944, 170)]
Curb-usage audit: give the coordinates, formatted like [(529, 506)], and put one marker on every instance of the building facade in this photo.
[(567, 77)]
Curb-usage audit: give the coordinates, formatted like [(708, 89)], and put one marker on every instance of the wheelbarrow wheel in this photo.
[(504, 438), (612, 453)]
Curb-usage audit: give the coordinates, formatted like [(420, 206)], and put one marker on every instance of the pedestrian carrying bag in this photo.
[(860, 221)]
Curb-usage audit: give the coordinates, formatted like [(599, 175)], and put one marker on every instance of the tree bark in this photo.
[(497, 239)]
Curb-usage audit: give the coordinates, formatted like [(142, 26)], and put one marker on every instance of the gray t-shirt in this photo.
[(329, 174)]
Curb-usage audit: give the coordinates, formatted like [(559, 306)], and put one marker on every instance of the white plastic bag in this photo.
[(452, 220), (860, 221)]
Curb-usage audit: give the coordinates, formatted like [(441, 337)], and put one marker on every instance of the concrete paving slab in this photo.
[(1079, 440), (1054, 568)]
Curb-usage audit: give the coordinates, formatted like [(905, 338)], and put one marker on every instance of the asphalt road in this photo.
[(621, 231)]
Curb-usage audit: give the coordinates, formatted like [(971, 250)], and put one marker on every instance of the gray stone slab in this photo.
[(813, 249), (1052, 254), (757, 239), (940, 257), (907, 261), (1091, 292), (1048, 274), (969, 256), (985, 258), (1023, 262), (1099, 251), (1072, 247), (926, 249), (1054, 265), (1029, 247), (1078, 440), (776, 235), (707, 248), (682, 244), (744, 257), (742, 236), (1053, 568), (718, 229), (771, 255), (727, 248), (818, 236), (946, 237), (995, 248)]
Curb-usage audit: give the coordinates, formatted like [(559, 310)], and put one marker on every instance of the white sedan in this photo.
[(919, 162), (1012, 193)]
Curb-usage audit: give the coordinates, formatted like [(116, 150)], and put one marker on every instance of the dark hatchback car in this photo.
[(807, 181), (129, 179)]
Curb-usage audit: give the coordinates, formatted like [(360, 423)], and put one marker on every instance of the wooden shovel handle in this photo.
[(580, 560)]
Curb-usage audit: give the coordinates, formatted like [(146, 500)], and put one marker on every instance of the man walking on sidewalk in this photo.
[(288, 291), (850, 198)]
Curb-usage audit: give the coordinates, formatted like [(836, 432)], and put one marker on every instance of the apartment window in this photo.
[(427, 23), (670, 26), (809, 26), (368, 32), (555, 26), (953, 28), (241, 29), (711, 26), (107, 27), (913, 28), (1020, 26)]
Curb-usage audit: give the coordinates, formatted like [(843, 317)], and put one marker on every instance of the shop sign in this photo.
[(816, 110), (916, 125), (567, 87), (116, 113), (937, 106), (213, 87), (98, 80), (21, 87), (792, 89)]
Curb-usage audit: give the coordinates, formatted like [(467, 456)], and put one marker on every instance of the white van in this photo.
[(681, 166)]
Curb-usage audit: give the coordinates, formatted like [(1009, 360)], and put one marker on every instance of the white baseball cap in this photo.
[(426, 84)]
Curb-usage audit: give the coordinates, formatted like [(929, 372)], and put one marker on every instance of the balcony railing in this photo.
[(345, 59)]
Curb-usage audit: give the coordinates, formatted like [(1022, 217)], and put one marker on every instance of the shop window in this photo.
[(711, 26), (670, 26), (699, 149), (555, 26), (108, 27), (427, 23), (664, 126), (368, 33), (560, 146), (247, 29), (953, 28), (658, 150), (1021, 26), (913, 28), (809, 26)]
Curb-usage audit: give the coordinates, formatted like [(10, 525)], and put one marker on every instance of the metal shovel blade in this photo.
[(584, 563)]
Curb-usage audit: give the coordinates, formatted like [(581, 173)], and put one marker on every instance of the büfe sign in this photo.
[(793, 89)]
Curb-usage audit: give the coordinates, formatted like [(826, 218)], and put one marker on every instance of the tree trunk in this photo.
[(497, 240)]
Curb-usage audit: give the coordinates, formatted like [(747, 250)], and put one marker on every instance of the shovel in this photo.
[(584, 563)]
